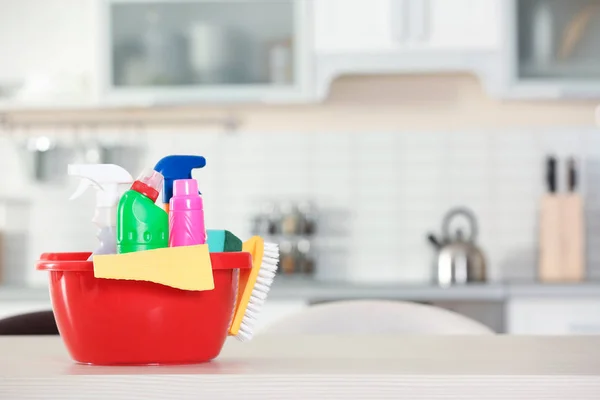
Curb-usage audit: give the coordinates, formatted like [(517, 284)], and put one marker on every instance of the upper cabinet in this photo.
[(122, 53), (204, 50), (104, 53), (396, 36), (552, 49), (346, 26), (397, 25), (460, 24)]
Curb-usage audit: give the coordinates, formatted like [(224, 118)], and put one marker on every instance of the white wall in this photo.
[(45, 35), (395, 186)]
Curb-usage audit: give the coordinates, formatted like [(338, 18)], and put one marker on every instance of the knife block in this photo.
[(562, 239), (573, 228), (550, 257)]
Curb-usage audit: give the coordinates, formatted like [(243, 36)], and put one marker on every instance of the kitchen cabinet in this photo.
[(395, 25), (161, 51), (345, 26), (461, 24), (553, 316), (550, 49), (403, 36), (129, 53)]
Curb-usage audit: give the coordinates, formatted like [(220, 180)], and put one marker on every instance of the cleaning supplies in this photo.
[(176, 167), (186, 215), (110, 182), (158, 304), (141, 224), (223, 241), (253, 286)]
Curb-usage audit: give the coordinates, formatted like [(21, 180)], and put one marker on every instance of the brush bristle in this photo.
[(264, 280)]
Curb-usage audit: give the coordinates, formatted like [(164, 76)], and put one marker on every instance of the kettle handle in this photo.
[(455, 213)]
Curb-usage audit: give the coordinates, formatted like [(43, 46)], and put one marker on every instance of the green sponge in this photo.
[(222, 241)]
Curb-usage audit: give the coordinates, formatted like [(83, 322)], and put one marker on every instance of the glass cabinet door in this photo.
[(558, 39), (172, 45)]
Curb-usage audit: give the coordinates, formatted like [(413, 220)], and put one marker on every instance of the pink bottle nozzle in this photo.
[(148, 183), (185, 187)]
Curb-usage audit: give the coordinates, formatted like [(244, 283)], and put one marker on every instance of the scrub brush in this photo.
[(253, 286)]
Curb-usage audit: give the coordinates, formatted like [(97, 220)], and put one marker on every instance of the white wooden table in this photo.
[(347, 367)]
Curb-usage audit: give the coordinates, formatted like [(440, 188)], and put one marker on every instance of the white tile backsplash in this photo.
[(380, 193)]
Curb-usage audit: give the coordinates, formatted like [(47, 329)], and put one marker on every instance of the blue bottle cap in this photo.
[(177, 167)]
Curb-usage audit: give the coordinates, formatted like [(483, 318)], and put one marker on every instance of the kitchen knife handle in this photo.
[(551, 174), (572, 173)]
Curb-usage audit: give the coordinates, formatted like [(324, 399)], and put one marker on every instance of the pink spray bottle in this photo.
[(186, 214)]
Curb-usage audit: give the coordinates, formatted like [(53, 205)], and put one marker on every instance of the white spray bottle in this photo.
[(110, 181)]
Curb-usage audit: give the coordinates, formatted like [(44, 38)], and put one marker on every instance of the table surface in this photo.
[(351, 366)]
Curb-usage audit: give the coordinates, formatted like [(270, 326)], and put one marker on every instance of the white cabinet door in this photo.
[(553, 316), (459, 24), (352, 26), (388, 25), (485, 24), (165, 52)]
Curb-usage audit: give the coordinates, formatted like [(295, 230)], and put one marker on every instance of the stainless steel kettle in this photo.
[(459, 260)]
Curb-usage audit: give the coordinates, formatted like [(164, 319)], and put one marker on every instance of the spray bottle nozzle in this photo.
[(108, 179), (177, 167), (83, 185)]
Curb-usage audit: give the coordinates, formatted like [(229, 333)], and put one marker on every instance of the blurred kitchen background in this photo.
[(346, 131)]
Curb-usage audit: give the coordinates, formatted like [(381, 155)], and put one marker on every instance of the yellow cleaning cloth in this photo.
[(185, 267)]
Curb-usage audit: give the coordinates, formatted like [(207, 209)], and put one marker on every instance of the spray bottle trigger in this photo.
[(83, 185)]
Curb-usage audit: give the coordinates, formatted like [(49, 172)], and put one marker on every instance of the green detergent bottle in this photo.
[(141, 224)]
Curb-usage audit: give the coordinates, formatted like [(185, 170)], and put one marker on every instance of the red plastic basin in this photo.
[(111, 322)]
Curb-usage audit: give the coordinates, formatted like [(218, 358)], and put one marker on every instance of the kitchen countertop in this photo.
[(298, 288), (303, 367), (303, 288), (587, 289)]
